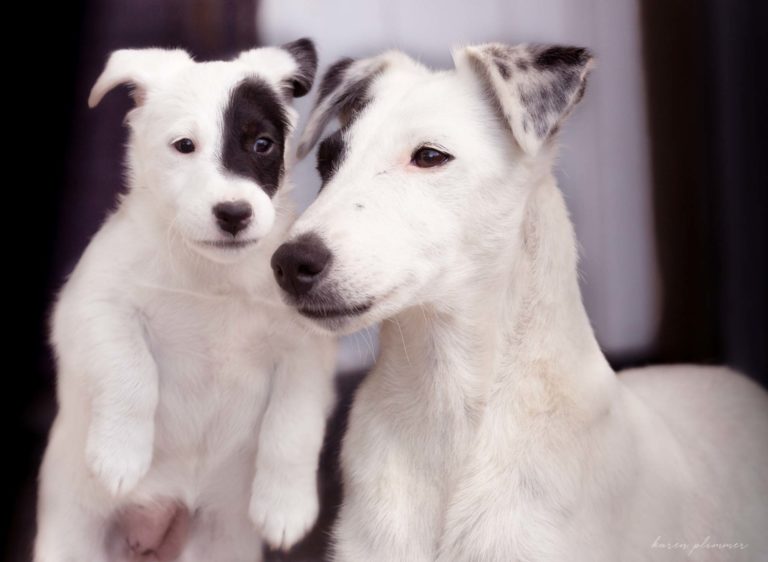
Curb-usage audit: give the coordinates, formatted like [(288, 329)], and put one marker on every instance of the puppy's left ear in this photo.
[(141, 68), (534, 86), (291, 67), (304, 53)]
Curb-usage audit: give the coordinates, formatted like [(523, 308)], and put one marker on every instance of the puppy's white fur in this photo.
[(492, 428), (181, 376)]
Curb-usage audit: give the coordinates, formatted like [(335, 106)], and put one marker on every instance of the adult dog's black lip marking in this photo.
[(228, 244), (321, 312)]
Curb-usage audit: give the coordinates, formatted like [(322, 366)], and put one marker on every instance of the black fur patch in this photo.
[(333, 77), (303, 51), (503, 69), (330, 155), (353, 98), (254, 111), (561, 56), (340, 99), (354, 101), (547, 102), (544, 105)]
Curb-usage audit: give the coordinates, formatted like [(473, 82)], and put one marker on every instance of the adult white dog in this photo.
[(188, 396), (492, 429)]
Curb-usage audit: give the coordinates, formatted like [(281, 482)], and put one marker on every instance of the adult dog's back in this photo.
[(719, 420)]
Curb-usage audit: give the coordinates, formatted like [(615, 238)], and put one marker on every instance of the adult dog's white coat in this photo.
[(183, 381), (492, 429)]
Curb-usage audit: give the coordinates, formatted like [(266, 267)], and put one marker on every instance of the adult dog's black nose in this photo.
[(233, 216), (298, 265)]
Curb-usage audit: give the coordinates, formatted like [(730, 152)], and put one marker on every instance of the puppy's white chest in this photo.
[(215, 362)]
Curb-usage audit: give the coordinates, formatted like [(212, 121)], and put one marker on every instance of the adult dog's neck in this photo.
[(520, 331)]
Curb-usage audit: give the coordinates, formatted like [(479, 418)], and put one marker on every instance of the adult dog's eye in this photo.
[(185, 146), (428, 157), (262, 145)]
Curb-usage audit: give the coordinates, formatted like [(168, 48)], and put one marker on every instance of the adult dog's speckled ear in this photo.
[(535, 86), (342, 93)]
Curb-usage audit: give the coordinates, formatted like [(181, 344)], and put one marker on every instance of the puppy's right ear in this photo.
[(343, 90), (141, 68)]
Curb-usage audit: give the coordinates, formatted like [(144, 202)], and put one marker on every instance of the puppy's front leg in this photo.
[(284, 503), (121, 375)]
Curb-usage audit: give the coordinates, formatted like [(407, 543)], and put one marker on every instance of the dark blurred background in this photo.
[(703, 67)]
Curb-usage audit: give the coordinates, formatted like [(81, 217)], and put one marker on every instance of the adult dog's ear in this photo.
[(141, 68), (534, 86), (304, 53), (343, 92)]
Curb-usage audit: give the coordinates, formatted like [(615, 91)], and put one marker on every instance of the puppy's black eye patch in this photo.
[(429, 157), (330, 155), (255, 126)]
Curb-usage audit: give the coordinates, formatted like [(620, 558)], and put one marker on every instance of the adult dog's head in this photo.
[(425, 183), (208, 139)]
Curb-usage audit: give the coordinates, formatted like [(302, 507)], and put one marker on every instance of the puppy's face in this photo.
[(213, 156), (208, 139), (425, 183)]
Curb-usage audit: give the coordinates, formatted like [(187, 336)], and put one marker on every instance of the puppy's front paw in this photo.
[(119, 459), (283, 512)]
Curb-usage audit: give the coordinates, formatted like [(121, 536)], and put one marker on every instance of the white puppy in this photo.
[(492, 429), (188, 397)]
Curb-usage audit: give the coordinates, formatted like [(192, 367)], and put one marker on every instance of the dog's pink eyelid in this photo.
[(444, 154)]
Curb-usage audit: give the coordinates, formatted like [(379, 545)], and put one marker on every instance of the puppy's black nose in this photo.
[(298, 265), (233, 216)]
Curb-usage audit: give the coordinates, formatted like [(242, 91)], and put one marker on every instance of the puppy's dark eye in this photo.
[(428, 157), (185, 146), (262, 145)]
